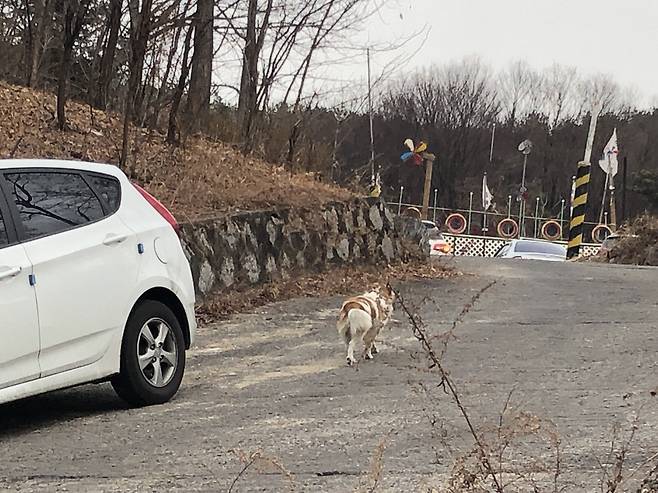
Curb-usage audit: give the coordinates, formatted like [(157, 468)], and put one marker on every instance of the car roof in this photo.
[(109, 169)]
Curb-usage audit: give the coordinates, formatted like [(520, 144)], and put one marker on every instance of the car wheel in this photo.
[(152, 356)]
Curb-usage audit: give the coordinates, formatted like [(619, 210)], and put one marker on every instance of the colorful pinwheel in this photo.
[(415, 154)]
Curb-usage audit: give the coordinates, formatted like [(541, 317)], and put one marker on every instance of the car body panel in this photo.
[(86, 289), (79, 283), (19, 325)]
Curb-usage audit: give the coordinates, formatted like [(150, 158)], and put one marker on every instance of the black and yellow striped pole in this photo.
[(579, 206), (579, 209)]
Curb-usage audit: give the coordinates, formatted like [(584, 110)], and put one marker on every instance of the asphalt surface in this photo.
[(574, 344)]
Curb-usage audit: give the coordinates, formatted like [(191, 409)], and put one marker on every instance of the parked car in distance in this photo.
[(533, 250), (438, 244), (610, 242), (94, 284)]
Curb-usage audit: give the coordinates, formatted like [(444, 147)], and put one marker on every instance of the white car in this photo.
[(438, 244), (533, 250), (94, 284)]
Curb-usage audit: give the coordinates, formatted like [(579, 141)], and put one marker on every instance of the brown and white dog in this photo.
[(362, 317)]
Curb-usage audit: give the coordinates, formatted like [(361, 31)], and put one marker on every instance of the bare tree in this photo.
[(254, 39), (140, 30), (106, 71), (173, 136), (559, 88), (200, 82), (74, 16), (518, 90), (38, 27)]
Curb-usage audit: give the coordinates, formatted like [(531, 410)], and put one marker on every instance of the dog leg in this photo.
[(369, 341), (350, 352)]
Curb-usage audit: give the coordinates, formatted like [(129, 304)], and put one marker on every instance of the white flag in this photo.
[(609, 162), (573, 192), (487, 196)]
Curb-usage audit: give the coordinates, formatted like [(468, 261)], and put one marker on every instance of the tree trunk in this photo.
[(249, 76), (248, 100), (140, 29), (74, 14), (62, 86), (173, 50), (199, 94), (172, 128), (107, 60), (41, 20)]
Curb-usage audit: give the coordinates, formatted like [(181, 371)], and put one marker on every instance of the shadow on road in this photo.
[(36, 413)]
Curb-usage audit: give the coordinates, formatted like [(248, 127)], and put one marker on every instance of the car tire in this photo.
[(153, 339)]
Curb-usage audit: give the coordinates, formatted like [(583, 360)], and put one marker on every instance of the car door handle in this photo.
[(114, 239), (10, 272)]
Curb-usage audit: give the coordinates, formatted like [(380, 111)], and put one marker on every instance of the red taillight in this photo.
[(441, 246), (162, 210)]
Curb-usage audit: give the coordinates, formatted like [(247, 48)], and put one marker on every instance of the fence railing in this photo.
[(480, 223)]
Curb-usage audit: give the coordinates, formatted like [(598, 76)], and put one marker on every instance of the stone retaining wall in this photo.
[(256, 247)]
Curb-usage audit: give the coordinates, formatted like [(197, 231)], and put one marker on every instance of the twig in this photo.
[(244, 470), (446, 381), (15, 148)]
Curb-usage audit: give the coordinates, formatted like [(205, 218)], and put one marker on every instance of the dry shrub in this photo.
[(639, 243), (201, 179), (523, 448)]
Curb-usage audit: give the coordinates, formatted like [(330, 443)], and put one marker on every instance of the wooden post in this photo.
[(429, 164)]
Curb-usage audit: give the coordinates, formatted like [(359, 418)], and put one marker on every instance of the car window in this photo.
[(51, 202), (539, 247), (108, 188), (502, 250), (610, 241), (4, 237)]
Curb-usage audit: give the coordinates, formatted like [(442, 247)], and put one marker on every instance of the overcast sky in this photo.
[(619, 37)]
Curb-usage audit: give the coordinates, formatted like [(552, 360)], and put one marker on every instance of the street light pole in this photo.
[(526, 148)]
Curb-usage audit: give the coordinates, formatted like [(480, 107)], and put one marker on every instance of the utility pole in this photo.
[(613, 204), (372, 134), (623, 189)]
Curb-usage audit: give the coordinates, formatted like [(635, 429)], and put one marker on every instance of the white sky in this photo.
[(619, 37)]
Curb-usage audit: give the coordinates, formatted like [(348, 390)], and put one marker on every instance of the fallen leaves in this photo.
[(201, 179)]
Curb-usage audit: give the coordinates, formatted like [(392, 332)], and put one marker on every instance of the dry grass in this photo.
[(639, 245), (203, 178)]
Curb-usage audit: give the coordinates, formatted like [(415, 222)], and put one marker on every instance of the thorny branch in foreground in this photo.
[(446, 382), (252, 460)]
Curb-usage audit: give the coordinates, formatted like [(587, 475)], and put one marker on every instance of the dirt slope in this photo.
[(204, 178)]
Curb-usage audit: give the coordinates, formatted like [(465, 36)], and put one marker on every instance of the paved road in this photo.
[(577, 343)]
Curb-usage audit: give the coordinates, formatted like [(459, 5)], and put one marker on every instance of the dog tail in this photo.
[(355, 322)]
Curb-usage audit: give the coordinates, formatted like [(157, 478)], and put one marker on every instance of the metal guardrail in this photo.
[(530, 227)]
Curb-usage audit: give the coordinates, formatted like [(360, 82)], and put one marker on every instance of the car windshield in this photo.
[(540, 247)]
